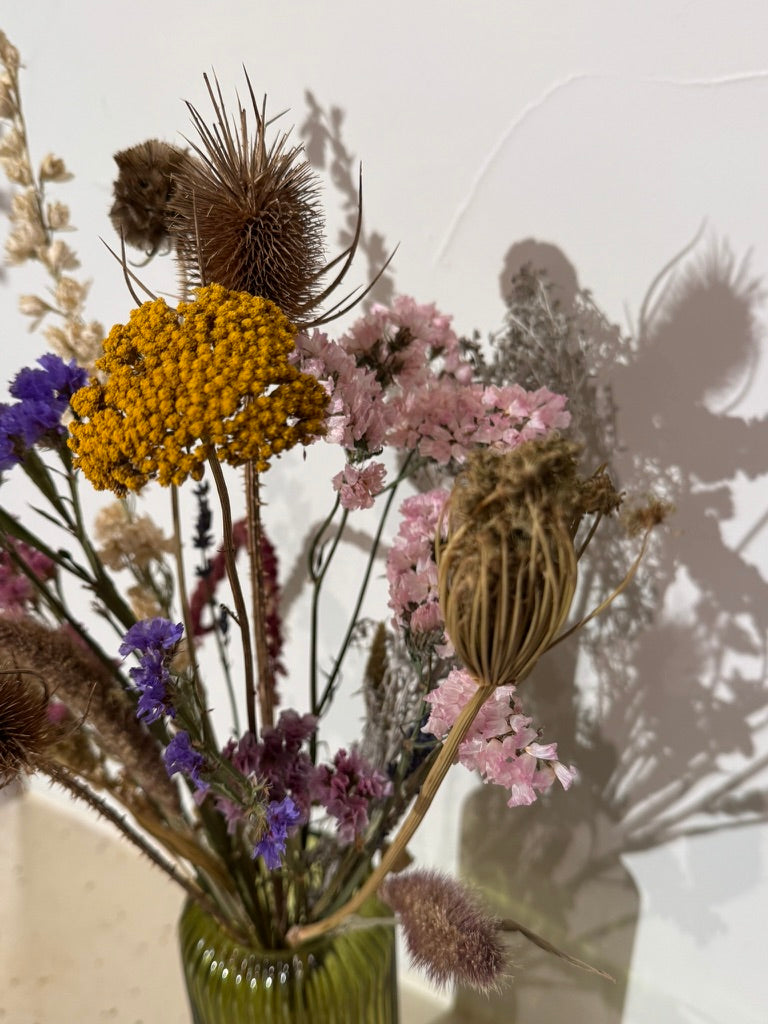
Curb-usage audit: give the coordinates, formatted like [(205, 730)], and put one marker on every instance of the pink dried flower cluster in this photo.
[(502, 744), (398, 378), (17, 591), (411, 565)]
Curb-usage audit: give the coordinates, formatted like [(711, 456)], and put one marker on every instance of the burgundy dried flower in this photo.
[(448, 933)]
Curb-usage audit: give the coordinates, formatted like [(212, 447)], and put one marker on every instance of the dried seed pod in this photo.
[(247, 215), (25, 731), (143, 190)]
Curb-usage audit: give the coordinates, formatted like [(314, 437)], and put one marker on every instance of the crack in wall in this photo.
[(715, 81)]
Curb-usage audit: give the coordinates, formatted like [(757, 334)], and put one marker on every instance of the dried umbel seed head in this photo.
[(448, 933), (143, 190), (247, 215), (507, 568), (25, 728)]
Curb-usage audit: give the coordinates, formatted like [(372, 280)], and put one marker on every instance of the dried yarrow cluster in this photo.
[(211, 378), (36, 226)]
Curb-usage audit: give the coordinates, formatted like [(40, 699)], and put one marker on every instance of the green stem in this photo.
[(329, 686)]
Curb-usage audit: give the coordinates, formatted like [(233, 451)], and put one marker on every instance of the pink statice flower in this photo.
[(346, 788), (502, 743), (411, 565), (399, 341), (355, 414), (358, 487)]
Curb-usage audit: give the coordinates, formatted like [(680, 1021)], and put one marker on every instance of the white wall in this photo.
[(611, 129)]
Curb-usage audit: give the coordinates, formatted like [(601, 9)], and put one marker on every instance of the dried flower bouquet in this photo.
[(277, 844)]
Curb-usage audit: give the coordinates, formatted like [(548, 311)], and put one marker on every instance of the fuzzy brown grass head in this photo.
[(507, 568), (448, 932), (25, 731), (247, 215)]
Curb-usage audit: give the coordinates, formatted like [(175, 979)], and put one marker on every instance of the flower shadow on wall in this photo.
[(660, 712), (663, 714)]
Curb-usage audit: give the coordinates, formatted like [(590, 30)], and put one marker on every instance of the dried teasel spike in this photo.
[(25, 730), (247, 215)]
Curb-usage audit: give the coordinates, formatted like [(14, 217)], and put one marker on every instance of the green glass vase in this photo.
[(349, 978)]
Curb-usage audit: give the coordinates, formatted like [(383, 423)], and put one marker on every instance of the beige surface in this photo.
[(87, 929)]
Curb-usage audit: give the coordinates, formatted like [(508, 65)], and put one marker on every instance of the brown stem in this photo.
[(266, 684), (414, 818), (237, 590)]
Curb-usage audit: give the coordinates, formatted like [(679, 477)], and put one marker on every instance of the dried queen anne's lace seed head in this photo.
[(210, 377), (507, 570)]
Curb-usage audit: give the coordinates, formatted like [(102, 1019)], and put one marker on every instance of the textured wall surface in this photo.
[(617, 133)]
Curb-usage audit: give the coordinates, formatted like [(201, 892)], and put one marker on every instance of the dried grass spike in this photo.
[(447, 931)]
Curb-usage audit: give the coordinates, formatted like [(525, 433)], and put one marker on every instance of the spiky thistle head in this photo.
[(145, 183), (25, 729), (448, 932), (507, 568), (247, 215)]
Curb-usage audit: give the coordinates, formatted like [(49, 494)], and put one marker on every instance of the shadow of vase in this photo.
[(564, 880)]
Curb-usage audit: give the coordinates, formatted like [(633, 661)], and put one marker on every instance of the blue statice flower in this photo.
[(44, 395), (153, 640), (281, 816), (57, 381), (180, 756), (151, 635)]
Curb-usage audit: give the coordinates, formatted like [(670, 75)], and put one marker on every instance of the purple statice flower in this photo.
[(153, 640), (282, 816), (43, 397), (56, 381), (346, 790), (180, 756), (151, 635)]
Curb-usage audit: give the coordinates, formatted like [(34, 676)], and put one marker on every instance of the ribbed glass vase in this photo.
[(348, 978)]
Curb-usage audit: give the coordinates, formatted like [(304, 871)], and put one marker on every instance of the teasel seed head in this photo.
[(25, 730), (142, 191), (448, 933), (247, 215), (507, 568)]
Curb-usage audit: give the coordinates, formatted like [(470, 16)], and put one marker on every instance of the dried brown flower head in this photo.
[(507, 570), (25, 732), (248, 215), (447, 931), (143, 189)]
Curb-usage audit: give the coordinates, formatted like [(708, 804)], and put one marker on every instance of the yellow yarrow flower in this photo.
[(180, 384)]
